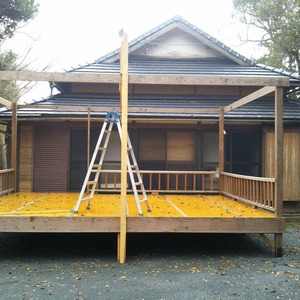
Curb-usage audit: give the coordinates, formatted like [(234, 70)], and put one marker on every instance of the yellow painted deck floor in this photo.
[(108, 205)]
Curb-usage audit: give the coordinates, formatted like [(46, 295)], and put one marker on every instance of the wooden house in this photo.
[(202, 119)]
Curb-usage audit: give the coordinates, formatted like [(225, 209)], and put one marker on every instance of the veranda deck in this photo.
[(52, 212)]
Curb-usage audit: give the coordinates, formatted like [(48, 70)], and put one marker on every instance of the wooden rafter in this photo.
[(249, 98), (5, 102)]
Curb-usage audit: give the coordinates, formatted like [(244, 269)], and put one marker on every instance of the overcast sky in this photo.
[(67, 33)]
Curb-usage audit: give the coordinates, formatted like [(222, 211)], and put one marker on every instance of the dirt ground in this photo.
[(164, 266)]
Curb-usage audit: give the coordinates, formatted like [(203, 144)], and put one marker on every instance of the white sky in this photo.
[(71, 32)]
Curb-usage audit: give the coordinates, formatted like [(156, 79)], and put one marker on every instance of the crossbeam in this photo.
[(5, 102), (131, 109), (249, 98), (211, 80)]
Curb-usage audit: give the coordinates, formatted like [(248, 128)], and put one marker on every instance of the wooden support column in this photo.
[(221, 145), (124, 121), (14, 142), (278, 152), (278, 166)]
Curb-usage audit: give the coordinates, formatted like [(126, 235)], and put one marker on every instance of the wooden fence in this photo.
[(165, 181), (6, 181), (256, 191)]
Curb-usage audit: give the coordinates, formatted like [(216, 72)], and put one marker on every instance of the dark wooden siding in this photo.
[(51, 158), (26, 151)]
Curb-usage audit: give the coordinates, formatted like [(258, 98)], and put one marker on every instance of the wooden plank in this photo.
[(59, 77), (124, 152), (206, 225), (254, 96), (213, 80), (249, 177), (5, 102), (278, 152), (59, 224), (117, 109)]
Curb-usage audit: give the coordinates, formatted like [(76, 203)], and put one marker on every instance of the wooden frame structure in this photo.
[(123, 225)]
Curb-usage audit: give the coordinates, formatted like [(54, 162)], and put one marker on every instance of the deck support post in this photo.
[(278, 245), (278, 166), (221, 146), (14, 141), (278, 152), (124, 143)]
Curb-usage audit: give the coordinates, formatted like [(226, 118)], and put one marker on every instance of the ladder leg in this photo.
[(90, 168)]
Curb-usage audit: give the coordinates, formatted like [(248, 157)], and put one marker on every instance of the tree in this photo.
[(14, 13), (278, 22)]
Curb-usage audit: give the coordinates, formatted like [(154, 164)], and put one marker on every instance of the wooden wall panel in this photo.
[(291, 163), (26, 158), (94, 88), (51, 158)]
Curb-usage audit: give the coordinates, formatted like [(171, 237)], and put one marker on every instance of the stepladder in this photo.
[(92, 177)]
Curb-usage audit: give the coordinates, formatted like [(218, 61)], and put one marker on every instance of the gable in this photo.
[(178, 44)]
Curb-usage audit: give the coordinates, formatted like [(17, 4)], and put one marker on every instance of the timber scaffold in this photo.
[(257, 193)]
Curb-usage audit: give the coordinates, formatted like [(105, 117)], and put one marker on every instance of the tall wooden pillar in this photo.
[(278, 165), (221, 146), (14, 143), (124, 121)]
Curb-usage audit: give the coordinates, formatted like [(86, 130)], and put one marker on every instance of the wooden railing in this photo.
[(165, 181), (256, 191), (6, 181)]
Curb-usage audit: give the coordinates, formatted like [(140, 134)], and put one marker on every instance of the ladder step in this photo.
[(139, 183), (107, 131), (129, 149), (91, 182), (102, 148), (97, 165), (86, 198), (143, 200), (133, 166)]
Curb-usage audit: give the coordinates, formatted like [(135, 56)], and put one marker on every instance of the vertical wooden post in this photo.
[(14, 143), (124, 121), (221, 146), (278, 166), (278, 152), (88, 146)]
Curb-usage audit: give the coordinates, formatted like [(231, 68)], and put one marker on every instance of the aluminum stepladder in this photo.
[(138, 188)]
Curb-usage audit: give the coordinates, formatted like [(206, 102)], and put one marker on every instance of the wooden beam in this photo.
[(5, 102), (278, 152), (131, 109), (14, 142), (211, 80), (249, 98), (205, 225), (60, 76), (221, 141), (124, 150)]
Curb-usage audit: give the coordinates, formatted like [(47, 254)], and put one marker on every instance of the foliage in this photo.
[(279, 23), (8, 62), (14, 13)]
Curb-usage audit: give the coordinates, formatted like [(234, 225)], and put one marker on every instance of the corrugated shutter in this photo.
[(50, 158)]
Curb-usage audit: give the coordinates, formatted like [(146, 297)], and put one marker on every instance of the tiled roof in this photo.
[(259, 110)]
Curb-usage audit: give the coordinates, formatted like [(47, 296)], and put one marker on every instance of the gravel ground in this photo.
[(165, 266)]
